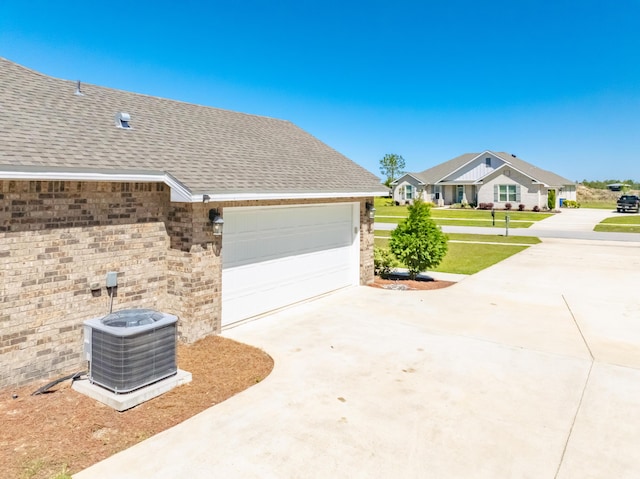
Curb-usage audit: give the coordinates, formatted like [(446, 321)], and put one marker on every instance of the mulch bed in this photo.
[(406, 284), (64, 430)]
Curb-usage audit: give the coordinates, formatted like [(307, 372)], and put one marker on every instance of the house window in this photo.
[(507, 193), (487, 161), (409, 192)]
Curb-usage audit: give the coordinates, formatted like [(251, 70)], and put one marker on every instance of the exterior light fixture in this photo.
[(216, 221), (205, 198), (370, 210)]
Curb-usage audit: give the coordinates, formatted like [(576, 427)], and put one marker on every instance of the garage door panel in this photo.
[(243, 280), (273, 257), (262, 289), (275, 244), (245, 246)]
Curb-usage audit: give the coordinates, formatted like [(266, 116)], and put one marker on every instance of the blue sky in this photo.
[(557, 83)]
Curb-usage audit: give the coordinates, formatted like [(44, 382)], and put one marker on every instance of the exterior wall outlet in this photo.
[(112, 279)]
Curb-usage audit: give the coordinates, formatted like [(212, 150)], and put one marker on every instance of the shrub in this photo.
[(383, 261), (570, 204), (536, 208), (417, 241), (551, 199), (485, 206), (508, 206), (520, 207)]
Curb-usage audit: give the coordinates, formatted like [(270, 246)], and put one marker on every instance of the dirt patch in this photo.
[(67, 431), (409, 285)]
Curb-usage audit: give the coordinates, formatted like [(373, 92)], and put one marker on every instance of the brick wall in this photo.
[(194, 291), (58, 238)]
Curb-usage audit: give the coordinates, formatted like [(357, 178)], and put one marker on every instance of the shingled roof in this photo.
[(435, 174), (47, 129)]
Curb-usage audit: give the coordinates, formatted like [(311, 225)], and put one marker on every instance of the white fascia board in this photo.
[(81, 176), (179, 192), (289, 196), (509, 165)]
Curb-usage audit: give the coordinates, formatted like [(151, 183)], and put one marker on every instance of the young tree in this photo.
[(391, 166), (417, 241)]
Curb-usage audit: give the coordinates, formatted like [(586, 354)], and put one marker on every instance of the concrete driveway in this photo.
[(529, 369)]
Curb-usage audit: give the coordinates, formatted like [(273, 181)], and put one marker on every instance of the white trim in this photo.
[(505, 165), (179, 192), (291, 196)]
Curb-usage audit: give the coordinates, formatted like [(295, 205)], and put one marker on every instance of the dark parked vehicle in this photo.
[(629, 203)]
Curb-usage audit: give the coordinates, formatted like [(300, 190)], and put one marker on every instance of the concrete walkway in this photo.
[(528, 369)]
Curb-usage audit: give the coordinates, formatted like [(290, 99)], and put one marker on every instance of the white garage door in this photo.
[(276, 256)]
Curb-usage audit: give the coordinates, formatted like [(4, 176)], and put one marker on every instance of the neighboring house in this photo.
[(95, 180), (486, 177)]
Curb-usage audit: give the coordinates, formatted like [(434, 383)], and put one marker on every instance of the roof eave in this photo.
[(284, 195), (179, 192)]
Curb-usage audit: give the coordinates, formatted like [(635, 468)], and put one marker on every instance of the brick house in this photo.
[(95, 180)]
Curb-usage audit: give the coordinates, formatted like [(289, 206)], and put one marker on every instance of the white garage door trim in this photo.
[(275, 256)]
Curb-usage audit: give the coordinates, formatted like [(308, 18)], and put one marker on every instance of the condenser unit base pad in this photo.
[(122, 402)]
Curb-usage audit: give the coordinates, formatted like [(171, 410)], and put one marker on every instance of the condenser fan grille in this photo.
[(133, 353)]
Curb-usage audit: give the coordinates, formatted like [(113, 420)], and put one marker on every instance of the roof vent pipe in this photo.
[(123, 119), (78, 91)]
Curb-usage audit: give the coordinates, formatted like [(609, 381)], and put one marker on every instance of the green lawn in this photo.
[(493, 238), (460, 217), (600, 205), (469, 258), (500, 223), (472, 238), (460, 220), (620, 224)]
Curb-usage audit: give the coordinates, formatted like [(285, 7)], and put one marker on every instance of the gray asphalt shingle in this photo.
[(209, 150), (433, 175)]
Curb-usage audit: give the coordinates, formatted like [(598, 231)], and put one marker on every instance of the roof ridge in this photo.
[(146, 95)]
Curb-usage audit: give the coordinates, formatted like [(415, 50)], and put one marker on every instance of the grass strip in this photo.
[(625, 220), (609, 228), (469, 258)]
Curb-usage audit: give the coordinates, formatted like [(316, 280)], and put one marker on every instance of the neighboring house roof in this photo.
[(412, 175), (439, 172), (49, 132)]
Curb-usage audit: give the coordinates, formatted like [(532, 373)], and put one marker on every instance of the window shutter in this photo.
[(495, 193), (518, 193)]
